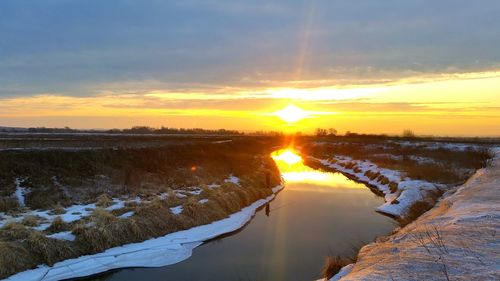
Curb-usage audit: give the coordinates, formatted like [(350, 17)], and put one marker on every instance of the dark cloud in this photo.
[(69, 46)]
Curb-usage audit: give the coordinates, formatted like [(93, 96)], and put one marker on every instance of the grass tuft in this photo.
[(13, 231), (104, 200), (48, 250), (58, 225), (31, 220)]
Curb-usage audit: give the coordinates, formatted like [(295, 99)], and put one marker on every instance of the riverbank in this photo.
[(411, 177), (455, 240), (162, 251)]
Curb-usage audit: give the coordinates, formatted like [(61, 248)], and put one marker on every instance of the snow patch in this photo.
[(177, 210), (343, 272), (126, 215), (65, 235), (21, 192), (407, 191), (233, 179)]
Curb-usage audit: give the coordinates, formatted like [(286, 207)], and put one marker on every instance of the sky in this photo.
[(365, 66)]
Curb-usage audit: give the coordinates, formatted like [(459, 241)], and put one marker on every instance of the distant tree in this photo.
[(332, 132), (408, 133), (351, 134), (321, 132)]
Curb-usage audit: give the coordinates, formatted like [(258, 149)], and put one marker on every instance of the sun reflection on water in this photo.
[(293, 170)]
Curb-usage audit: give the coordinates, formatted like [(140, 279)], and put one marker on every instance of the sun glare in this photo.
[(287, 156), (292, 114)]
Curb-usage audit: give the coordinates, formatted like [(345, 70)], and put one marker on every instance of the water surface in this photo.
[(317, 214)]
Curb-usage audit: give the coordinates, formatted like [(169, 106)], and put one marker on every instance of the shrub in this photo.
[(101, 216)]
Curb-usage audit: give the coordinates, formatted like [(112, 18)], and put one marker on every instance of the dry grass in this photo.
[(446, 166), (14, 258), (195, 212), (420, 207), (22, 248), (333, 265), (13, 231), (48, 250), (137, 169), (57, 210), (383, 180), (105, 231), (104, 200), (8, 204), (58, 225), (90, 175), (156, 219), (393, 187), (31, 220)]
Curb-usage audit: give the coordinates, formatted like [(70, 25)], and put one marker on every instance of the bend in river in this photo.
[(316, 215)]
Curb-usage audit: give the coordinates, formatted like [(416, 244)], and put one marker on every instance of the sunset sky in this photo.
[(366, 66)]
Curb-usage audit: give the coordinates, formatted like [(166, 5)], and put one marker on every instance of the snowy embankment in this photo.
[(400, 192), (162, 251), (456, 240)]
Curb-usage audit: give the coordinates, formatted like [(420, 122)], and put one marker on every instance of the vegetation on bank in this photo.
[(440, 165), (162, 177)]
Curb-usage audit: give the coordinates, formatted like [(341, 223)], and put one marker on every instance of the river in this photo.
[(315, 215)]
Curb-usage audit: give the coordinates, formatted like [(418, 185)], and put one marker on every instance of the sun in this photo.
[(291, 114), (287, 156)]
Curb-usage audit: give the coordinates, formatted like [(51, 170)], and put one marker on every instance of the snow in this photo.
[(222, 141), (162, 251), (233, 179), (203, 201), (456, 238), (65, 235), (178, 194), (117, 204), (71, 214), (126, 215), (20, 193), (408, 191), (343, 272), (195, 191), (430, 145), (176, 210)]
